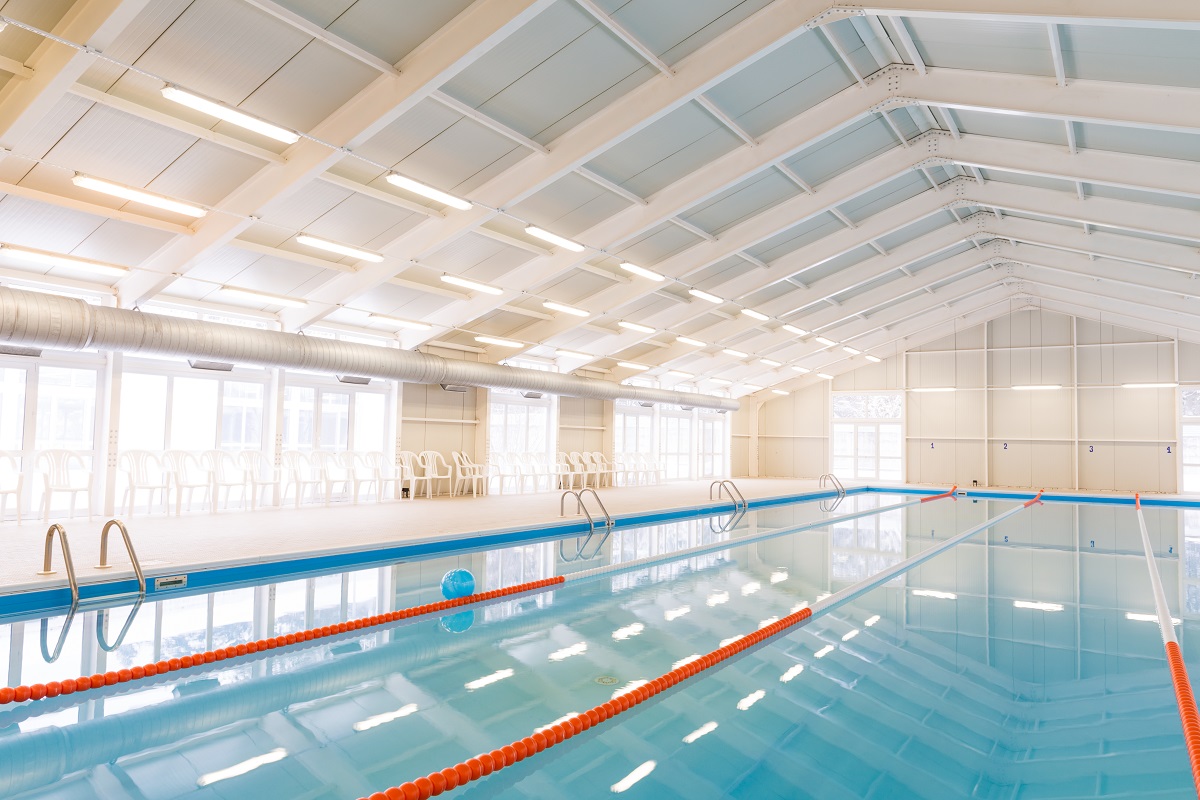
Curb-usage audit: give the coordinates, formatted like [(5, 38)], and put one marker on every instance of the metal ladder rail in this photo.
[(581, 507), (830, 477), (65, 547), (137, 566), (728, 486), (608, 520)]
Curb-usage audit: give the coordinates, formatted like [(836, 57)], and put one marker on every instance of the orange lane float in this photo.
[(950, 493), (38, 691), (473, 769), (1187, 708)]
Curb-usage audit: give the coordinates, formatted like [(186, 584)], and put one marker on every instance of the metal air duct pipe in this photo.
[(63, 323)]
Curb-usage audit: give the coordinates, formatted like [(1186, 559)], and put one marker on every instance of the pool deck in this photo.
[(199, 540)]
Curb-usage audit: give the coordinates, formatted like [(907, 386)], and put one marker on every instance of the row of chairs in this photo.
[(535, 472)]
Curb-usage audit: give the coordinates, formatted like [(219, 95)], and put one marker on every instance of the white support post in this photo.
[(726, 120), (1060, 72), (791, 175), (1072, 145), (618, 30), (109, 413), (883, 112), (488, 122), (909, 45), (842, 55), (605, 183)]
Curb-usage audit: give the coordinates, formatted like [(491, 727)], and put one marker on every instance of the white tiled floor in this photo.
[(169, 544)]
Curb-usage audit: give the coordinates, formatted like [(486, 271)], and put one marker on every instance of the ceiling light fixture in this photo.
[(498, 342), (554, 238), (402, 323), (932, 389), (1035, 606), (57, 260), (873, 359), (779, 392), (692, 342), (795, 330), (632, 365), (381, 719), (753, 387), (340, 249), (575, 312), (633, 326), (674, 373), (729, 351), (572, 354), (1135, 617), (752, 314), (221, 111), (792, 673), (472, 285), (250, 764), (769, 362), (271, 299), (641, 271), (721, 381), (1037, 387), (712, 298), (137, 195), (1149, 385), (935, 594), (437, 195), (852, 351), (826, 342), (801, 370), (824, 375)]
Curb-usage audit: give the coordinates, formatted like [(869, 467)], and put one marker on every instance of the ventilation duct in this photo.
[(62, 323)]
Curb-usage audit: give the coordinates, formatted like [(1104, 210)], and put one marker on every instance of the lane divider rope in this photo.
[(39, 691), (484, 764), (1184, 698)]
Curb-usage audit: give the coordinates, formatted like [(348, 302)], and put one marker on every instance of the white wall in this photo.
[(1090, 434)]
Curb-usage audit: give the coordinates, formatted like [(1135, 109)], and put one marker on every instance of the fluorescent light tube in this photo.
[(825, 375), (272, 299), (572, 354), (779, 392), (672, 614), (498, 342), (554, 238), (674, 373), (801, 370), (1146, 618), (712, 298), (795, 330), (340, 249), (1149, 385), (717, 598), (632, 365), (874, 359), (402, 323), (928, 389), (752, 314), (721, 381), (1030, 604), (220, 111), (852, 351), (575, 312), (629, 780), (137, 196), (779, 575), (1034, 387), (826, 342), (769, 362), (437, 195), (641, 271), (729, 351), (633, 326), (250, 764), (754, 387), (56, 260), (934, 593), (472, 285), (692, 342)]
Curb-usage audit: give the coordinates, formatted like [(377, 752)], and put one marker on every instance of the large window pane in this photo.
[(369, 421), (241, 416), (298, 416), (143, 419), (194, 414), (12, 408), (66, 409), (335, 420)]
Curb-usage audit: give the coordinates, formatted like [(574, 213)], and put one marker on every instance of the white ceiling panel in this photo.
[(132, 42), (313, 84), (661, 242), (403, 302), (47, 227), (1142, 141), (881, 198), (749, 198), (575, 286), (672, 29), (205, 173), (853, 145), (119, 147), (917, 230), (362, 221), (65, 114), (986, 46), (478, 258), (120, 242), (796, 237), (1012, 126), (1132, 55), (390, 29), (45, 14), (298, 210), (570, 205)]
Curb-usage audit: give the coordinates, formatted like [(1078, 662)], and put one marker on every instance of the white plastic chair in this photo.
[(12, 482), (564, 470), (604, 468), (60, 471), (226, 473), (436, 470), (146, 471), (300, 475), (504, 468), (467, 471), (188, 473), (414, 467), (332, 473), (582, 467), (386, 472), (260, 474), (359, 473)]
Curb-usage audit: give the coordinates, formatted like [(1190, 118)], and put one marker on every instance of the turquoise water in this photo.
[(933, 685)]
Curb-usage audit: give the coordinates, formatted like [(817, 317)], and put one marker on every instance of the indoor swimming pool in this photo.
[(1023, 661)]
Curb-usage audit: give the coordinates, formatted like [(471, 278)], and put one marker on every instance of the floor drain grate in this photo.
[(607, 680)]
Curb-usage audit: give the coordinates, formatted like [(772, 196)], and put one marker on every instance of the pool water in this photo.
[(931, 685)]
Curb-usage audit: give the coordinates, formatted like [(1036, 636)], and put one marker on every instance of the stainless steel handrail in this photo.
[(580, 506), (47, 656), (66, 553), (731, 489), (103, 615), (137, 567), (829, 476), (608, 520)]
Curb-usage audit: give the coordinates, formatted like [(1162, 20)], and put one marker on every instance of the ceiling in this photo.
[(874, 176)]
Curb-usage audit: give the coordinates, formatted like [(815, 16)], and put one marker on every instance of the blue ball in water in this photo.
[(458, 583), (458, 623)]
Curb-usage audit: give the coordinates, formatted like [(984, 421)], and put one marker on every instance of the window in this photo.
[(867, 436), (676, 444), (331, 419), (1190, 441), (299, 413), (194, 414), (241, 416), (714, 451), (12, 409), (143, 420), (370, 423), (334, 432), (868, 545), (66, 408), (190, 412)]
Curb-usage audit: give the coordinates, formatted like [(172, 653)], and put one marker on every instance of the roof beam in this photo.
[(631, 41), (842, 55), (726, 120), (107, 212), (605, 183), (1056, 54), (910, 47), (309, 28), (1119, 13), (492, 124)]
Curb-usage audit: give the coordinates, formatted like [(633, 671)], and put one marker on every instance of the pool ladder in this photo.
[(830, 479), (581, 542), (731, 489), (73, 582)]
